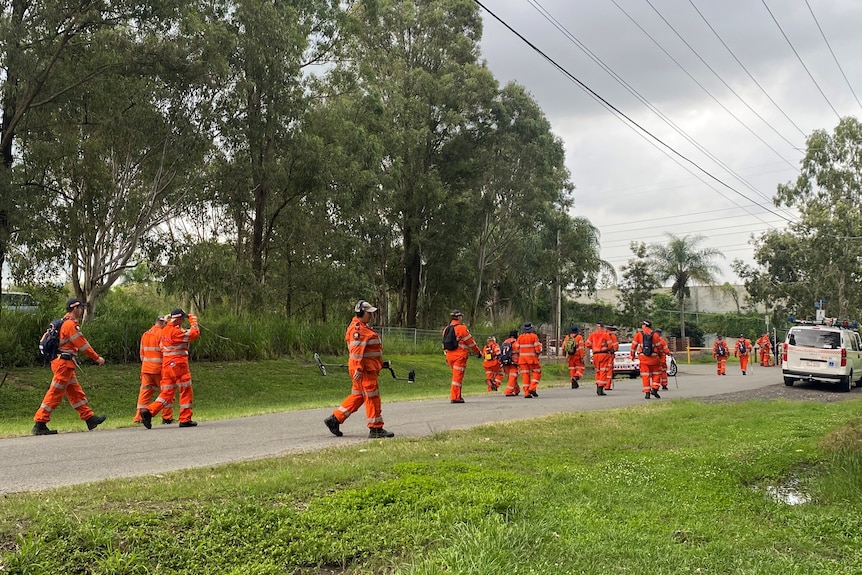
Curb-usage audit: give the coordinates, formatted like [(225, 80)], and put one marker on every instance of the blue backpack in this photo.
[(49, 345)]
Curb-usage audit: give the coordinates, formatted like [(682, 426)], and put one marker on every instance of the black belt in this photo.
[(66, 356)]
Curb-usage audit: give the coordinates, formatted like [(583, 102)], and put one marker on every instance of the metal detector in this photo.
[(322, 366), (411, 376)]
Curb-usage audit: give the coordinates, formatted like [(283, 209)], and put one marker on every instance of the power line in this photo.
[(616, 110), (798, 57), (834, 57)]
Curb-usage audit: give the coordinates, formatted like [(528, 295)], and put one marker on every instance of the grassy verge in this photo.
[(679, 487)]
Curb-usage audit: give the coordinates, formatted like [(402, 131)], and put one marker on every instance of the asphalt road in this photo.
[(45, 462)]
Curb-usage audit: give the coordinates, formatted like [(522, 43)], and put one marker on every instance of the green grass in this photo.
[(676, 487)]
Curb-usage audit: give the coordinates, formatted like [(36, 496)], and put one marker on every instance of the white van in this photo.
[(828, 351)]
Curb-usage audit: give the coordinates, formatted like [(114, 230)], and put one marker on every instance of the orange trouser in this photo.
[(364, 391), (604, 364), (458, 363), (743, 362), (493, 375), (512, 374), (576, 366), (531, 375), (662, 365), (63, 384), (720, 364), (650, 373), (150, 385), (764, 357), (175, 375)]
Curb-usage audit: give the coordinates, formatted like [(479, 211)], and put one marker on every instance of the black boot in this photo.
[(333, 426), (655, 394), (646, 395), (41, 428), (188, 423), (95, 421), (575, 384), (146, 417), (600, 390), (377, 432)]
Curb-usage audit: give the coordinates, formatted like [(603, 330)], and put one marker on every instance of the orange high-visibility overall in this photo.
[(601, 344), (650, 364), (529, 348), (491, 363), (720, 352), (151, 372), (457, 358), (742, 350), (765, 350), (364, 365), (576, 360), (65, 381), (512, 387), (174, 343)]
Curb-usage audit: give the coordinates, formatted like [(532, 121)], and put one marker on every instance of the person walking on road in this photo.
[(765, 348), (509, 358), (151, 371), (647, 346), (664, 350), (601, 344), (64, 383), (742, 350), (573, 346), (720, 353), (457, 337), (491, 363), (529, 350), (364, 364), (174, 343)]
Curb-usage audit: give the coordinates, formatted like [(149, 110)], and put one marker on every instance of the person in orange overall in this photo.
[(765, 347), (529, 349), (742, 350), (457, 358), (576, 357), (65, 382), (364, 365), (151, 371), (601, 344), (491, 363), (511, 369), (649, 362), (720, 353), (663, 359), (174, 343)]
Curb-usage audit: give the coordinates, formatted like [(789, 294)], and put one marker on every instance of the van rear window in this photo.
[(815, 338)]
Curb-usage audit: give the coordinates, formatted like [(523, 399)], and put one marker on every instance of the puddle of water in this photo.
[(788, 494)]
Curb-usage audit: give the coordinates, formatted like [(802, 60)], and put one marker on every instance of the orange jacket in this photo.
[(174, 342), (365, 347), (579, 344), (150, 352), (715, 348), (72, 341), (529, 348), (466, 344), (638, 344), (763, 343), (600, 342)]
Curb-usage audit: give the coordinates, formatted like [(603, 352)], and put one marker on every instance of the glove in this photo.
[(386, 364), (357, 375)]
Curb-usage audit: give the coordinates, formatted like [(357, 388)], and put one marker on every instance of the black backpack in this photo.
[(49, 344), (450, 340), (647, 342), (506, 352), (720, 349)]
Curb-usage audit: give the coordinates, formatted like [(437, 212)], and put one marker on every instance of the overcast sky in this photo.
[(733, 86)]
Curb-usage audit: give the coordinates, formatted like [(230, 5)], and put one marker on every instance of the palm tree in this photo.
[(683, 262)]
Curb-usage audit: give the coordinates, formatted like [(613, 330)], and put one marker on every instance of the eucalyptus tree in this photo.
[(419, 61), (683, 261), (637, 285), (819, 255), (267, 170), (111, 150)]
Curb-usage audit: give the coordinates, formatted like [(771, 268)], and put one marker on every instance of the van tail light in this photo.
[(784, 355), (843, 357)]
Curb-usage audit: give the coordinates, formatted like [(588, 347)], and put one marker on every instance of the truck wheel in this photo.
[(788, 381), (671, 371), (844, 384)]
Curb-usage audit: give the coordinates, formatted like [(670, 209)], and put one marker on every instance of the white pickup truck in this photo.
[(822, 352)]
